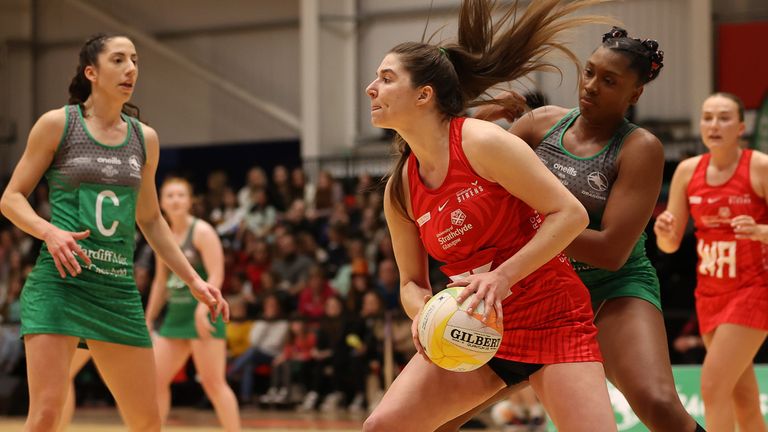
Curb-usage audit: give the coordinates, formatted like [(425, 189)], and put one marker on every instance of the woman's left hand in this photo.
[(210, 296), (746, 228), (202, 323), (491, 287)]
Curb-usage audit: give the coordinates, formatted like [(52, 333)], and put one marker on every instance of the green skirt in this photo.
[(89, 306), (179, 321), (636, 279)]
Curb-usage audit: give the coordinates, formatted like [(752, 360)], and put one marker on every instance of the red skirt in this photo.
[(742, 305), (548, 318)]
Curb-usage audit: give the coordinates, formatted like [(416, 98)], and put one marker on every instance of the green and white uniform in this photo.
[(179, 320), (92, 186), (590, 179)]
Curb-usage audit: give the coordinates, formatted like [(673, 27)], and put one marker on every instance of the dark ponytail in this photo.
[(80, 86), (486, 53), (645, 57)]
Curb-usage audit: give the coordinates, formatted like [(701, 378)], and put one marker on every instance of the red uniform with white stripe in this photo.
[(474, 225), (732, 275)]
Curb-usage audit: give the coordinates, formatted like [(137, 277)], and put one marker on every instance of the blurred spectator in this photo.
[(261, 216), (255, 259), (336, 248), (355, 262), (360, 283), (313, 296), (295, 219), (365, 340), (290, 266), (328, 193), (331, 359), (227, 218), (279, 190), (388, 284), (301, 189), (307, 245), (267, 338), (381, 250), (238, 328), (255, 180), (294, 361), (217, 183)]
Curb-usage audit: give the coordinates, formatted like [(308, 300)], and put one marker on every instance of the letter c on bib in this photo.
[(108, 232)]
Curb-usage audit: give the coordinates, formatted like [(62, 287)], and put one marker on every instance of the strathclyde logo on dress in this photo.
[(597, 181), (694, 199), (458, 217)]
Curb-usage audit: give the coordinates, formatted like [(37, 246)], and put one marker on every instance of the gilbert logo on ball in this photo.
[(454, 339)]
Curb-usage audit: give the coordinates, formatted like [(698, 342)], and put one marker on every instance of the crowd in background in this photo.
[(309, 274), (312, 282)]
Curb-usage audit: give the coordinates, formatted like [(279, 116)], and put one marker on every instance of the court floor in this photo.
[(196, 420)]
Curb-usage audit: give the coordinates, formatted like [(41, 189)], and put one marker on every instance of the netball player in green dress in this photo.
[(615, 169), (187, 328), (100, 166)]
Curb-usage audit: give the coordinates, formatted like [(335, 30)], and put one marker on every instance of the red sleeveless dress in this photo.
[(732, 275), (473, 225)]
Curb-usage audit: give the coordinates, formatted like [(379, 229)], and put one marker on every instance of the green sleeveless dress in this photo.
[(91, 186), (590, 179), (179, 319)]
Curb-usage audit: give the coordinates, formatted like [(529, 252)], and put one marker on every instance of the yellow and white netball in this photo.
[(454, 339)]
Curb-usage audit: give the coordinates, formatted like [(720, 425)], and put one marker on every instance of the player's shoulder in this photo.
[(759, 159), (480, 136), (55, 118), (686, 168)]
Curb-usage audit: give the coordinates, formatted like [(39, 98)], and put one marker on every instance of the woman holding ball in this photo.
[(461, 191)]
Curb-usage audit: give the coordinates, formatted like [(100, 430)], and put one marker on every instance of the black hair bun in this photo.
[(615, 33)]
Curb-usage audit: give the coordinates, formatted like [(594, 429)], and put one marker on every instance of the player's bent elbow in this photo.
[(579, 216), (5, 205)]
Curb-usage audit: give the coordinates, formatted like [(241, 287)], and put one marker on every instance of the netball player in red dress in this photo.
[(477, 198), (725, 192)]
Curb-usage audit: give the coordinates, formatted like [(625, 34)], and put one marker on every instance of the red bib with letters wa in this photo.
[(732, 275)]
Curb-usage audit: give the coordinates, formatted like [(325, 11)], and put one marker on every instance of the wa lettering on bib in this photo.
[(715, 256)]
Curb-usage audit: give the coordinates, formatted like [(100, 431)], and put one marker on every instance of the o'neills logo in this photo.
[(111, 161), (571, 171), (474, 341)]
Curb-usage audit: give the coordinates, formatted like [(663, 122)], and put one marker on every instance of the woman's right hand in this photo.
[(665, 225), (64, 249), (415, 330)]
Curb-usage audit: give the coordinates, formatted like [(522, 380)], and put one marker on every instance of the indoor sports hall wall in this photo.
[(252, 54)]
